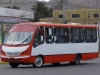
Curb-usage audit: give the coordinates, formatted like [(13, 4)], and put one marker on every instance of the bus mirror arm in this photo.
[(35, 43)]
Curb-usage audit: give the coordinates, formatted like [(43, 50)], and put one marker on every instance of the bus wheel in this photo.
[(38, 62), (55, 64), (77, 60), (13, 65)]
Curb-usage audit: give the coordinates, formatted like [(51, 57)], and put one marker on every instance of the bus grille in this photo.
[(13, 53)]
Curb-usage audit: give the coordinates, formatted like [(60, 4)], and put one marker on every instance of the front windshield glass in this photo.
[(15, 38)]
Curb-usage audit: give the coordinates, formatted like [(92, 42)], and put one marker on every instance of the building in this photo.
[(80, 15), (9, 17)]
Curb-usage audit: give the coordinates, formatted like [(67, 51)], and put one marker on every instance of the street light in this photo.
[(96, 14)]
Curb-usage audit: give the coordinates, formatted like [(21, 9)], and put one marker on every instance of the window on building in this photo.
[(75, 15), (49, 35), (88, 15), (96, 15), (76, 35), (90, 35), (60, 16), (61, 35)]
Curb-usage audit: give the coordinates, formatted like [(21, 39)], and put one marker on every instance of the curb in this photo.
[(3, 62)]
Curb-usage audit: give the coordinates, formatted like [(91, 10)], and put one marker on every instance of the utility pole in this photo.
[(96, 14), (64, 12), (2, 34)]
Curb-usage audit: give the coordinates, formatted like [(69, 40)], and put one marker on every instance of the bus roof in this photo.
[(71, 25)]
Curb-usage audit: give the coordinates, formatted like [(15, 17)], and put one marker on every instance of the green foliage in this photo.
[(41, 10), (8, 7), (13, 7), (50, 12)]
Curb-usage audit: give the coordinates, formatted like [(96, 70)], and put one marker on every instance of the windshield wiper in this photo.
[(26, 39)]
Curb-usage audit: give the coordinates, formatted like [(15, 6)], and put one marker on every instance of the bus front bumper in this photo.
[(15, 59)]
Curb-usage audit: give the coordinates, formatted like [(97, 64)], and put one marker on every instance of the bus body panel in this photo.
[(68, 57), (66, 52), (14, 49), (56, 49)]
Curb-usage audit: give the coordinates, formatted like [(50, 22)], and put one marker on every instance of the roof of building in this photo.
[(16, 13)]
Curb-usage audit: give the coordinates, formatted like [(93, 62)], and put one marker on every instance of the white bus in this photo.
[(41, 43)]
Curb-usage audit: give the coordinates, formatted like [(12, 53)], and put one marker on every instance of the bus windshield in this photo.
[(15, 38)]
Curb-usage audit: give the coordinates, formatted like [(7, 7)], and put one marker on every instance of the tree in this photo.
[(50, 10), (40, 10), (8, 7), (13, 7)]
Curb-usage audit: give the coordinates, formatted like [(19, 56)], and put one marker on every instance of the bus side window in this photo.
[(87, 34), (90, 35), (61, 35), (49, 35), (94, 35), (39, 39), (77, 35)]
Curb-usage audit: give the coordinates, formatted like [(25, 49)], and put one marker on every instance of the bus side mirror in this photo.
[(35, 43)]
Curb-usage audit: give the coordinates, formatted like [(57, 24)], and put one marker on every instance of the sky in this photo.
[(44, 0)]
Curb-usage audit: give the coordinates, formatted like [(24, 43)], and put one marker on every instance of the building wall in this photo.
[(84, 16)]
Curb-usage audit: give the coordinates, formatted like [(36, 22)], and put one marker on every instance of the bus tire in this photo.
[(76, 61), (13, 65), (38, 62)]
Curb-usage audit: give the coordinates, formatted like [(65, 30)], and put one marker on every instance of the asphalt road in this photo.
[(91, 67)]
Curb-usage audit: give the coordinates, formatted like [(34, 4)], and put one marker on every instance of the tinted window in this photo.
[(49, 35), (76, 35), (90, 35), (61, 35)]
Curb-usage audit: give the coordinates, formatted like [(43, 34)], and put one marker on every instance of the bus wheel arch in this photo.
[(77, 59), (39, 61)]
